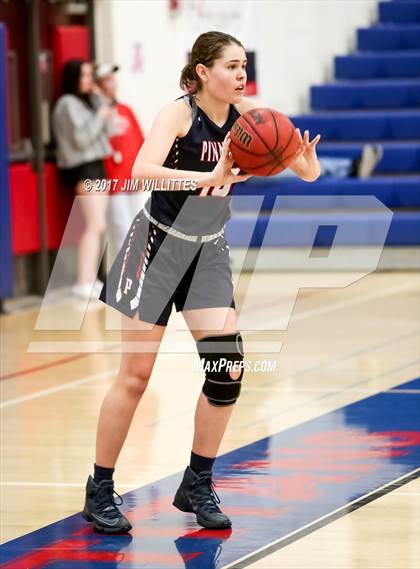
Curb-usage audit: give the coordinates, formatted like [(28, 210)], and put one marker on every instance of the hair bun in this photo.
[(189, 79), (191, 86)]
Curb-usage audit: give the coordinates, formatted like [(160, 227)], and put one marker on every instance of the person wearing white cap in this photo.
[(125, 202)]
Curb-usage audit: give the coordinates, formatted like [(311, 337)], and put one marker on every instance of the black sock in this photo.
[(102, 473), (200, 463)]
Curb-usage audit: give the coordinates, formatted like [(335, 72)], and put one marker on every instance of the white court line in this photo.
[(301, 316), (342, 304), (329, 394), (404, 391), (314, 522), (389, 391), (61, 387)]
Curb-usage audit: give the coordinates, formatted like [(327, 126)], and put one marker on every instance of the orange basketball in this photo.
[(263, 142)]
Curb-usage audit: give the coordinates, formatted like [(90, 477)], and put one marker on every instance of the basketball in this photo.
[(263, 142)]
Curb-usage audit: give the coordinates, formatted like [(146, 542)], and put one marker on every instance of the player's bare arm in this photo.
[(173, 121)]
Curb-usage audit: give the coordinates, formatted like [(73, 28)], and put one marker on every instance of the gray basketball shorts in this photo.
[(155, 270)]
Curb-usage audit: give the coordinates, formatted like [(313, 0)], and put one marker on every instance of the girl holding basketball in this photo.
[(175, 253)]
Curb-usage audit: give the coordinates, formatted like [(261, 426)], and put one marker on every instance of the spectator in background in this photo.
[(82, 124), (125, 201)]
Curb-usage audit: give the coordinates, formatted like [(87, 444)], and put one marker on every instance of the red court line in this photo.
[(44, 366)]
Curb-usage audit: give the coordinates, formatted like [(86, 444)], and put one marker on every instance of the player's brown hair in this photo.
[(206, 49)]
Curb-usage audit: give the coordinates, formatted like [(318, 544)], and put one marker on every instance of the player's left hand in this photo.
[(306, 160), (307, 147)]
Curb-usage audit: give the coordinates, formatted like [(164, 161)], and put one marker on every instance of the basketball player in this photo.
[(175, 253)]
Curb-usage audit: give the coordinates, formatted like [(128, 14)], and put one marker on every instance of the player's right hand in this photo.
[(224, 173)]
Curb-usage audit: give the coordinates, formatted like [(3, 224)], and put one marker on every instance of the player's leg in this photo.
[(126, 392), (94, 207), (115, 418), (207, 441), (214, 408)]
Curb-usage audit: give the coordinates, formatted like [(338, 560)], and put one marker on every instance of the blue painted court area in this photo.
[(275, 490)]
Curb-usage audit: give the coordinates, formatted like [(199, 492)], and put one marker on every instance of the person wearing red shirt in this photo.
[(126, 199)]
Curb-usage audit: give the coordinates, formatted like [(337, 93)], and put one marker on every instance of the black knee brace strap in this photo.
[(218, 355)]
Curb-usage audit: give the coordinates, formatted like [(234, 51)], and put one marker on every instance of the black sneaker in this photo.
[(101, 510), (196, 494)]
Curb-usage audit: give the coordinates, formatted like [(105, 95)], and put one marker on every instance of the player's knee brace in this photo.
[(219, 356)]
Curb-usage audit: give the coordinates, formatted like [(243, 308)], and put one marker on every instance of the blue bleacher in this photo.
[(297, 230), (403, 157), (375, 99), (376, 94), (399, 13), (394, 192), (389, 37), (379, 65), (363, 125)]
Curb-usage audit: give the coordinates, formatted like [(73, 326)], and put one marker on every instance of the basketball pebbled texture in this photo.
[(263, 142)]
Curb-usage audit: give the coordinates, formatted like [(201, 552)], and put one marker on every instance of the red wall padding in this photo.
[(69, 42), (24, 209), (58, 201)]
